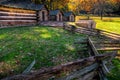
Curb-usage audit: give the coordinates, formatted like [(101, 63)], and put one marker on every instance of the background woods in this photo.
[(99, 7)]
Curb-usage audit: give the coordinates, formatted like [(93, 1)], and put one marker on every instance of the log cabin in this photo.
[(69, 16), (21, 13), (55, 15)]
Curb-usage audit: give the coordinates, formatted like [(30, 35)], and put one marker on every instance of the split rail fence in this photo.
[(91, 32), (93, 67)]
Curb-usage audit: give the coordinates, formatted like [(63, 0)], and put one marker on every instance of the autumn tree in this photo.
[(99, 7)]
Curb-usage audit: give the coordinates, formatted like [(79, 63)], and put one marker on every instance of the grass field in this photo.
[(111, 24), (49, 46)]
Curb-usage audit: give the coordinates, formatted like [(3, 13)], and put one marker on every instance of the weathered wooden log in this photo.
[(81, 74), (108, 48), (12, 23), (16, 17), (2, 13), (89, 76), (86, 23), (6, 9), (92, 47)]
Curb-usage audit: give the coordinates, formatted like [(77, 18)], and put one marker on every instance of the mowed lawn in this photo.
[(48, 46), (111, 24)]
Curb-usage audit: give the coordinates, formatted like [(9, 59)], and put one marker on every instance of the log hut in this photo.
[(55, 15), (69, 16), (21, 13)]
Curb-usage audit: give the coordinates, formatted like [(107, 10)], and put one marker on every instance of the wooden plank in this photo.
[(85, 31), (17, 20), (16, 17), (27, 70), (107, 45), (22, 15), (89, 76), (93, 47), (7, 9), (107, 32), (106, 42), (108, 48), (15, 13), (17, 23), (105, 69), (80, 73), (111, 35), (102, 76)]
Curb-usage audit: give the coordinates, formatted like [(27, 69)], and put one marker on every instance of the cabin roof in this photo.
[(54, 12), (24, 4), (67, 14)]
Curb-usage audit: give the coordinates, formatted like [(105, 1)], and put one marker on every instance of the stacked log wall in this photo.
[(10, 17)]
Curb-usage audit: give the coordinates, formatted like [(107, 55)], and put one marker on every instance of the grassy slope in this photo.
[(49, 46)]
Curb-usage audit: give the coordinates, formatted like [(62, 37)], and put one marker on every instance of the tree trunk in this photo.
[(101, 14)]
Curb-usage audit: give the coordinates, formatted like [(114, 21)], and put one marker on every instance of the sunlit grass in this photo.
[(49, 46), (111, 24)]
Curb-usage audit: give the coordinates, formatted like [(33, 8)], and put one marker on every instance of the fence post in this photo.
[(64, 25), (98, 33), (73, 29)]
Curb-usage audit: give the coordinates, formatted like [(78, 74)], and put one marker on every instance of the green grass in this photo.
[(111, 24), (115, 72), (49, 46)]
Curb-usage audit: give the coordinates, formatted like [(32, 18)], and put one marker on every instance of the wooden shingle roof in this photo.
[(24, 4), (54, 12), (67, 14)]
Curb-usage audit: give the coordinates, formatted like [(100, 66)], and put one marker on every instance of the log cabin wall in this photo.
[(59, 16), (10, 17), (43, 14), (72, 18), (55, 15), (69, 16)]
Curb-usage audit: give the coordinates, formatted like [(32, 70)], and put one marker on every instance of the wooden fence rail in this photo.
[(84, 69), (91, 32)]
